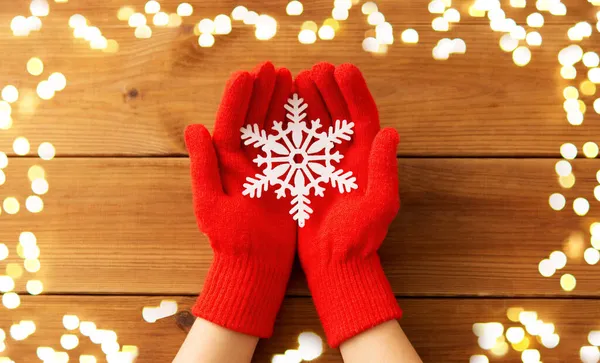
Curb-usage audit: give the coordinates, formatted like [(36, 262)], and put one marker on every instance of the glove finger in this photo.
[(324, 78), (264, 84), (232, 111), (281, 94), (308, 90), (206, 180), (361, 105), (382, 184)]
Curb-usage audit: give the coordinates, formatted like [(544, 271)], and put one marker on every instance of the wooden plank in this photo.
[(466, 227), (440, 329), (139, 101)]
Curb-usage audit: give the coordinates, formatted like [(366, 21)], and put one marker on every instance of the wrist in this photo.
[(351, 296), (243, 294)]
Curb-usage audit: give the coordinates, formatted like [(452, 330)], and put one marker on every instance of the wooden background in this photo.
[(479, 139)]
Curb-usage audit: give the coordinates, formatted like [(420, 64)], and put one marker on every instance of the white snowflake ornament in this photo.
[(298, 159)]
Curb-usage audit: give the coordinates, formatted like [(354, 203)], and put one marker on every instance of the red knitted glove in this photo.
[(253, 239), (338, 245)]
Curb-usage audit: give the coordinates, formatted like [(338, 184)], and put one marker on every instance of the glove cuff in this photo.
[(352, 297), (242, 294)]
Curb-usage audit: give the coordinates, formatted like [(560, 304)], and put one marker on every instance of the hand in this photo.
[(253, 238), (338, 245)]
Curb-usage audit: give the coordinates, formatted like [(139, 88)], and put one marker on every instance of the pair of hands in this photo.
[(254, 239)]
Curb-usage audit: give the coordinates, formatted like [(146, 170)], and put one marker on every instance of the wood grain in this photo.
[(139, 101), (466, 227), (440, 329)]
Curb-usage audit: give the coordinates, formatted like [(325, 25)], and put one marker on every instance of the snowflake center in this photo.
[(298, 158)]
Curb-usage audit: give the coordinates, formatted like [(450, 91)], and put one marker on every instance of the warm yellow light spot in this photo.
[(326, 32), (475, 12), (591, 59), (87, 359), (32, 265), (550, 341), (589, 354), (593, 75), (452, 15), (440, 24), (375, 18), (70, 322), (160, 19), (479, 358), (546, 268), (410, 36), (513, 313), (575, 118), (568, 282), (69, 341), (597, 105), (111, 46), (250, 18), (597, 194), (570, 55), (521, 56), (590, 149), (571, 105), (7, 284), (35, 66), (384, 33), (369, 7), (568, 72), (559, 259), (125, 13), (21, 146), (133, 350), (206, 40), (340, 14), (45, 90), (109, 347), (508, 43), (61, 357), (152, 7), (309, 25), (239, 12), (294, 8), (5, 108), (587, 88), (90, 33), (30, 252), (46, 151), (20, 251), (10, 205), (39, 186), (58, 81), (14, 270), (174, 20), (567, 181), (87, 328), (39, 7), (19, 26), (222, 23), (10, 300), (206, 26), (584, 29), (563, 168), (136, 20), (595, 229), (515, 334), (34, 204), (45, 353), (143, 32), (2, 177), (10, 94), (35, 287), (581, 106), (568, 150), (581, 206), (307, 36), (518, 32), (35, 172), (534, 39), (535, 20), (591, 256), (80, 32), (185, 9)]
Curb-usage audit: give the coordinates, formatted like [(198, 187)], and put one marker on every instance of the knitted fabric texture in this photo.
[(253, 240), (338, 246)]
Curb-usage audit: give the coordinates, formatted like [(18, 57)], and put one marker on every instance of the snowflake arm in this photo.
[(252, 135), (255, 186), (345, 181)]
